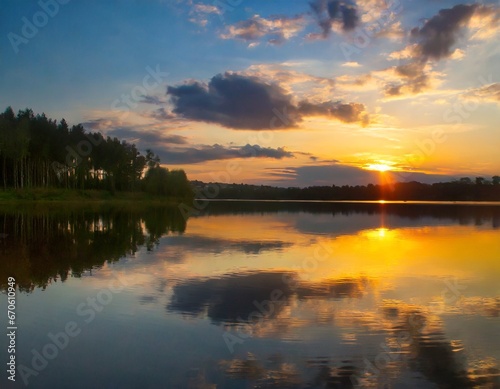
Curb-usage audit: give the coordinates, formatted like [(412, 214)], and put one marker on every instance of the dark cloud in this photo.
[(332, 8), (439, 34), (162, 114), (154, 100), (339, 174), (175, 149), (145, 138), (333, 174), (142, 138), (347, 113), (350, 17), (243, 102), (393, 90), (414, 79), (233, 101), (96, 124), (410, 70), (435, 40), (329, 11), (205, 153)]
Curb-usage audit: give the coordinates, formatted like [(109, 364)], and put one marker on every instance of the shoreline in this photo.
[(381, 202), (92, 196), (80, 196)]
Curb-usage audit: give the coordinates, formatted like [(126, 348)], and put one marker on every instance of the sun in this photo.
[(379, 167)]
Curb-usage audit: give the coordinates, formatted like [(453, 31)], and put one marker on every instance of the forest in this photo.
[(39, 152), (463, 189)]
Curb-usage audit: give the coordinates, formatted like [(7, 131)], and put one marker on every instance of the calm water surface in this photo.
[(255, 295)]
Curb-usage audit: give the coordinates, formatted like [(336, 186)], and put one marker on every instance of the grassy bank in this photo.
[(51, 195)]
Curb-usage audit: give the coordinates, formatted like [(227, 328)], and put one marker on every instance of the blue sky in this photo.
[(410, 87)]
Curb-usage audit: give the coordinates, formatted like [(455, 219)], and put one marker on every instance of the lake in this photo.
[(254, 295)]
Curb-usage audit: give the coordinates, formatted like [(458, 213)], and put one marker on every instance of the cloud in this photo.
[(347, 113), (207, 9), (175, 149), (439, 34), (147, 138), (161, 114), (158, 121), (341, 174), (484, 24), (405, 53), (199, 13), (153, 100), (243, 102), (203, 153), (435, 40), (276, 29), (313, 36), (414, 80), (351, 64), (98, 124), (393, 30), (458, 54), (337, 174), (411, 78), (487, 93), (363, 82), (301, 85), (231, 100), (329, 11)]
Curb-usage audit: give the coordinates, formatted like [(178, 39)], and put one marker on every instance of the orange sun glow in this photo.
[(379, 167)]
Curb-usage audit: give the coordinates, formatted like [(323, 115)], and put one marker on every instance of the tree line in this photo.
[(463, 189), (36, 151)]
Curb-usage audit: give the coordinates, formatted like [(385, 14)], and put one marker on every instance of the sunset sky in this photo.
[(288, 93)]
